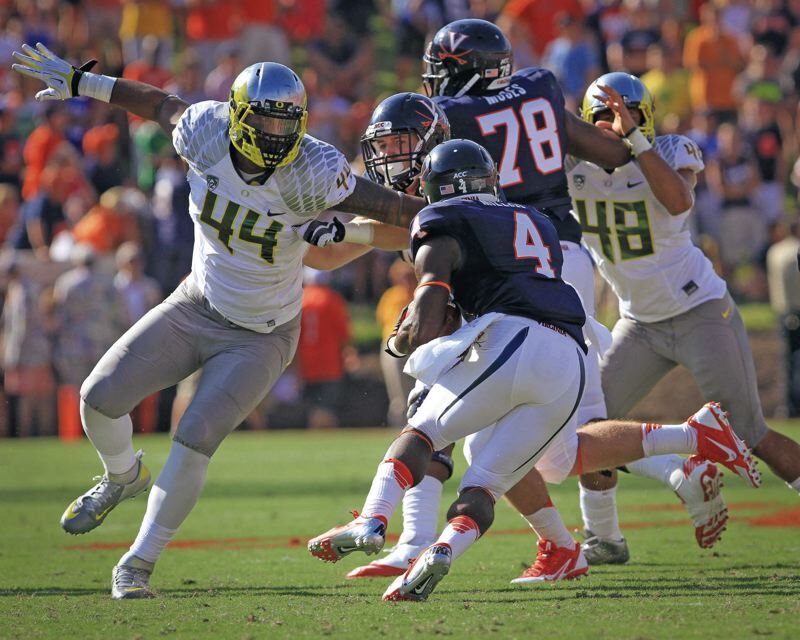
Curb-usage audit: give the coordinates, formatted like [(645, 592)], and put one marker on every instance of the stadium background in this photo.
[(91, 195)]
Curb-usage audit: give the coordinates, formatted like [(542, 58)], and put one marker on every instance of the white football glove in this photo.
[(59, 75), (321, 234)]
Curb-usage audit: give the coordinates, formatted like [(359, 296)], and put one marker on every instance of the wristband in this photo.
[(639, 144), (97, 86), (358, 232), (392, 349), (436, 283)]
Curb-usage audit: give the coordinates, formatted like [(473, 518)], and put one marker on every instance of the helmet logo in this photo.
[(455, 42)]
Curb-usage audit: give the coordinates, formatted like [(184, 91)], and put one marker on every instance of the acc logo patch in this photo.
[(212, 182)]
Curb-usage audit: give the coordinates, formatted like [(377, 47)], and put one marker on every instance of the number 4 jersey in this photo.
[(247, 258), (645, 254), (510, 260)]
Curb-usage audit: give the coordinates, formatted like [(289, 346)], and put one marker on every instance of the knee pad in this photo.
[(444, 459), (196, 433), (100, 395), (475, 503)]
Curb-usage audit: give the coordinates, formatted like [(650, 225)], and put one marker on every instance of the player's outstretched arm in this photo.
[(587, 142), (65, 81), (672, 188), (379, 203)]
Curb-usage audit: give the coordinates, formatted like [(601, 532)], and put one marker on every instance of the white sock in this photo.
[(460, 533), (112, 437), (658, 468), (795, 485), (658, 439), (390, 483), (172, 498), (599, 509), (421, 512), (548, 525)]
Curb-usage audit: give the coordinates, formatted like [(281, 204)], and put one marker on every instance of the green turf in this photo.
[(249, 576)]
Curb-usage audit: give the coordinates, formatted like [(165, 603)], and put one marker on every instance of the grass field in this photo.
[(239, 568)]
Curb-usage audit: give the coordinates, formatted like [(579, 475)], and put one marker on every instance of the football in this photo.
[(452, 320)]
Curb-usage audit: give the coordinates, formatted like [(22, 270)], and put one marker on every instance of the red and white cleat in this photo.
[(698, 484), (395, 563), (555, 563), (717, 442), (362, 534), (422, 576)]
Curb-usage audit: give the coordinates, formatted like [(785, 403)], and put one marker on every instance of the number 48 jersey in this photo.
[(247, 257), (645, 254)]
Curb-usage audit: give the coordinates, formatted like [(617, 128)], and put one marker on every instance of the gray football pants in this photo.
[(179, 336), (709, 340)]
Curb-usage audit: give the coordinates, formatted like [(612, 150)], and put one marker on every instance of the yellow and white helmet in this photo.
[(634, 94), (268, 114)]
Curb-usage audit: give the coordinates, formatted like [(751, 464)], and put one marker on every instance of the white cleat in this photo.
[(361, 534), (698, 484), (422, 576)]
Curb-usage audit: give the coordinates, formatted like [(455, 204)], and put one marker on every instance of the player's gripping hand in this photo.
[(59, 75), (321, 234)]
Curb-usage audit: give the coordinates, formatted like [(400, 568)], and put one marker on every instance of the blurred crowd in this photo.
[(94, 217)]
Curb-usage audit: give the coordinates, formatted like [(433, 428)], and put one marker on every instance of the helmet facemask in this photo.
[(392, 159), (268, 133)]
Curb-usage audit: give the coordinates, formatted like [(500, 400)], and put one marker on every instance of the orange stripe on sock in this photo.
[(647, 427), (464, 524), (401, 473)]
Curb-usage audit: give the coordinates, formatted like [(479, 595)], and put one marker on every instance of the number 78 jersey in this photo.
[(643, 252)]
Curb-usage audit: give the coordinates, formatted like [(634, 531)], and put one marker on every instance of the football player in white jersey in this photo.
[(255, 178), (674, 309)]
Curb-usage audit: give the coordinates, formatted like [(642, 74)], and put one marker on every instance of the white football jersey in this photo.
[(645, 254), (247, 258)]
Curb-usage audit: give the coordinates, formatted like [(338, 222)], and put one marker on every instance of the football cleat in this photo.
[(717, 442), (423, 575), (362, 534), (90, 510), (131, 580), (698, 483), (554, 563), (394, 564), (599, 550)]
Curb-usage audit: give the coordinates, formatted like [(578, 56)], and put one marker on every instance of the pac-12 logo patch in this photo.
[(579, 181), (212, 182)]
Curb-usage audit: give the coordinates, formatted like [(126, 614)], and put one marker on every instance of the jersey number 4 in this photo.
[(541, 129), (224, 226), (528, 244)]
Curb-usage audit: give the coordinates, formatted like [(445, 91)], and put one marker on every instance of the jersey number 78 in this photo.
[(538, 120)]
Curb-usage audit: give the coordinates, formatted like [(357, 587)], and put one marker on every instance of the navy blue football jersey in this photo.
[(511, 260), (522, 127)]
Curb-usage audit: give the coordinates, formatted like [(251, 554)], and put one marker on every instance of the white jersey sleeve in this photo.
[(570, 162), (320, 178), (680, 152), (201, 135)]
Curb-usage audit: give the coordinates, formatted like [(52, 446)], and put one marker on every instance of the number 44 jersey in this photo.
[(645, 254), (247, 258)]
